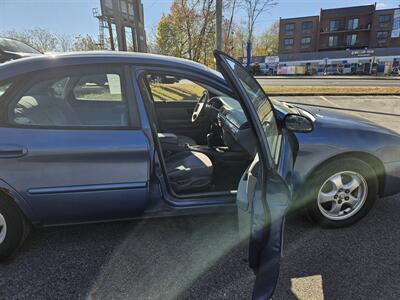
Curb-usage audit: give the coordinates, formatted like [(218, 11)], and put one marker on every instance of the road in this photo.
[(327, 82), (200, 257)]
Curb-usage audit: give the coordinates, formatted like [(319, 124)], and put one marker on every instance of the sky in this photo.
[(74, 17)]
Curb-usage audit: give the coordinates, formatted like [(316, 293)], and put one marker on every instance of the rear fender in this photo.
[(17, 199)]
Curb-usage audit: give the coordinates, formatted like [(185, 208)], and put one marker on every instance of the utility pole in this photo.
[(218, 29)]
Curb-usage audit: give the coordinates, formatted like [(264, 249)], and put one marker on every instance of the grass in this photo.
[(187, 91), (184, 91), (176, 91), (102, 96)]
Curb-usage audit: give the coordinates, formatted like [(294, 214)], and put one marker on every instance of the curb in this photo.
[(328, 78), (329, 94)]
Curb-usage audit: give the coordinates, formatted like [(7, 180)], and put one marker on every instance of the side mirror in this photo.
[(298, 123)]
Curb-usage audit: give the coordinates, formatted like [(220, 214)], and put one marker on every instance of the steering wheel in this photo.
[(200, 106)]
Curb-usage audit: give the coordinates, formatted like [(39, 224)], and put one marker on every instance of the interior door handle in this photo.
[(12, 151)]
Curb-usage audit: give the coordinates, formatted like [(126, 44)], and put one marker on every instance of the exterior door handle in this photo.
[(12, 151)]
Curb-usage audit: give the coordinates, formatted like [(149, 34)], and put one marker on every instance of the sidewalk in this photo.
[(330, 77)]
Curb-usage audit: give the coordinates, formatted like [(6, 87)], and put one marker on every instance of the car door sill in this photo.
[(196, 199)]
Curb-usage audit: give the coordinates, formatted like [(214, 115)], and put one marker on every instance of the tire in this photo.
[(347, 206), (13, 229)]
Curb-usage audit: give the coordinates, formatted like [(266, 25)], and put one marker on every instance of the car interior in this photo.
[(203, 135), (205, 140), (88, 100)]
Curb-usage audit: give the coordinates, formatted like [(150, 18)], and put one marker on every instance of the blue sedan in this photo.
[(95, 137)]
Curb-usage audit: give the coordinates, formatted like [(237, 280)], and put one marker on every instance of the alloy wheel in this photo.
[(342, 195), (3, 228)]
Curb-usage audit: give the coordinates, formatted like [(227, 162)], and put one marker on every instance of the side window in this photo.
[(105, 87), (78, 100), (172, 88)]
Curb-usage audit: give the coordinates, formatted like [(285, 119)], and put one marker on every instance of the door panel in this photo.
[(175, 117), (263, 198), (264, 192), (78, 175)]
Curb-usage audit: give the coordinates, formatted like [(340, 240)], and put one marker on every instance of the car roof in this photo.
[(47, 61)]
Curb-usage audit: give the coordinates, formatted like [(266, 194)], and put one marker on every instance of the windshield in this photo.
[(16, 46), (262, 105)]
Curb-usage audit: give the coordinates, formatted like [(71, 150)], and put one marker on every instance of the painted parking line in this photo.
[(347, 109), (329, 101)]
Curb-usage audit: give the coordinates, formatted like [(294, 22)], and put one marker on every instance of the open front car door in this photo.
[(264, 192)]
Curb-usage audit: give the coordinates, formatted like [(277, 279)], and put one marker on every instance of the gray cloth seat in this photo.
[(182, 140), (185, 140), (44, 111), (189, 171)]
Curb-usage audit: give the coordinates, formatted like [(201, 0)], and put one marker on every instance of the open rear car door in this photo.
[(264, 193)]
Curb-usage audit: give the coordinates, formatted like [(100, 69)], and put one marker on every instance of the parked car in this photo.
[(92, 137), (13, 49)]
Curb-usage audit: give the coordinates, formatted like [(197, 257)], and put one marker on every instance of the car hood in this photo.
[(334, 118)]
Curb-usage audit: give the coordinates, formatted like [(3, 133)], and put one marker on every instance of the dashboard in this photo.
[(236, 131)]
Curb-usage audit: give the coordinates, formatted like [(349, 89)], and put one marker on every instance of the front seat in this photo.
[(189, 171), (182, 140)]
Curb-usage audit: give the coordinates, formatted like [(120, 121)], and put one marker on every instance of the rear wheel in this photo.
[(13, 228), (343, 192)]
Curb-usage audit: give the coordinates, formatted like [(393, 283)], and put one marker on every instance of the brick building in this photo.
[(342, 36)]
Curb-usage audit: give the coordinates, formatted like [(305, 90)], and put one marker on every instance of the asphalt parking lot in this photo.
[(383, 110), (332, 81), (199, 257)]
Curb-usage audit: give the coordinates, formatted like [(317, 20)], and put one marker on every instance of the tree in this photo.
[(85, 43), (188, 30), (64, 42), (43, 40), (268, 42), (39, 38), (254, 9)]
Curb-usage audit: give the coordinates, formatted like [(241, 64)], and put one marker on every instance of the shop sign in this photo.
[(270, 60), (396, 24), (365, 52)]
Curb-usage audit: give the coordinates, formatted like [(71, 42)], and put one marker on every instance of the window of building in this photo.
[(382, 36), (288, 43), (108, 4), (353, 24), (306, 41), (63, 100), (334, 25), (131, 10), (384, 19), (351, 39), (333, 41), (307, 25), (124, 7), (289, 27)]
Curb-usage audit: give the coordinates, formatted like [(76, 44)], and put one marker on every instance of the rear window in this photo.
[(16, 46), (4, 88)]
